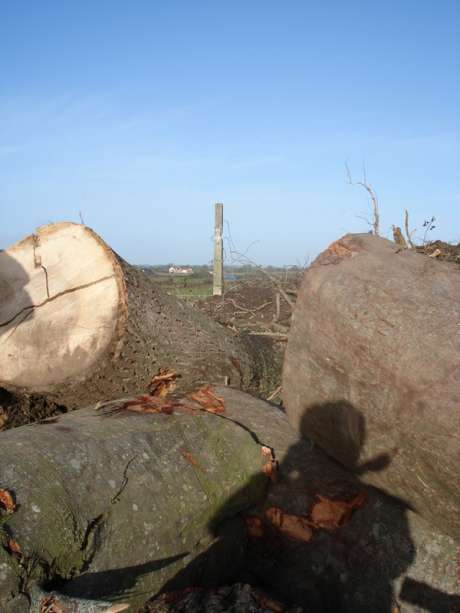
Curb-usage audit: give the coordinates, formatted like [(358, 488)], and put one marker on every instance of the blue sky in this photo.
[(141, 115)]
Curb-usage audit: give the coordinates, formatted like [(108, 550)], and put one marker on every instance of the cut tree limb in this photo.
[(79, 324), (110, 505), (92, 522), (372, 369)]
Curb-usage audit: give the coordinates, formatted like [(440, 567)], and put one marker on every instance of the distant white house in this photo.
[(176, 270)]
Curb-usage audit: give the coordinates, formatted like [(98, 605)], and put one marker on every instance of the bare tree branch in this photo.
[(267, 274), (408, 232), (375, 205)]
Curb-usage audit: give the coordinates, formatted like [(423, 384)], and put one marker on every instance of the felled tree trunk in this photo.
[(338, 545), (108, 504), (372, 371), (117, 506), (78, 324)]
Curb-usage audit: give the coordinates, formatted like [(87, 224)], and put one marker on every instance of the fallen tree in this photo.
[(110, 503), (79, 324), (372, 370), (117, 504)]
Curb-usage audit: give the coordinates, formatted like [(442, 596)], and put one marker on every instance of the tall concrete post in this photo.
[(218, 285)]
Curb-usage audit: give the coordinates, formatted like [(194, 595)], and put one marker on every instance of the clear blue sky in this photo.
[(143, 114)]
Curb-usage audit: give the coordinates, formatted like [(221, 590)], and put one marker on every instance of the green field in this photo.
[(198, 285)]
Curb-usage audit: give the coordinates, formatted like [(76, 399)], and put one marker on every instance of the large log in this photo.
[(78, 324), (109, 504), (372, 370), (107, 530), (381, 558)]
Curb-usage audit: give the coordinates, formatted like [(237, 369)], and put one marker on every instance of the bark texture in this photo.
[(372, 370), (94, 523), (383, 558), (112, 506), (78, 324)]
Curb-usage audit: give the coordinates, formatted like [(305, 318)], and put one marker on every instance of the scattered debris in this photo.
[(269, 603), (236, 597), (14, 548), (57, 603), (190, 459), (269, 465), (50, 604), (7, 501), (254, 526), (208, 400), (441, 250), (141, 404), (275, 393), (163, 383), (332, 514), (292, 526), (204, 397), (325, 514), (20, 409)]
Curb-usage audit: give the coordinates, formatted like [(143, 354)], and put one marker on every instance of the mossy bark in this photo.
[(112, 506)]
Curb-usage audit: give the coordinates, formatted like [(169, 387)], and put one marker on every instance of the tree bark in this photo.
[(110, 504), (79, 324), (383, 557), (372, 374), (107, 504)]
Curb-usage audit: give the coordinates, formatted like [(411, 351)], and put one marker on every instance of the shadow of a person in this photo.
[(357, 567), (353, 566)]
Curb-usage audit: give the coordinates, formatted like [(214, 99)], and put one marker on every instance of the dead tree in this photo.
[(375, 223)]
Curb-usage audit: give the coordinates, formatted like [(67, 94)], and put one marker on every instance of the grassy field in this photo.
[(188, 287), (198, 285)]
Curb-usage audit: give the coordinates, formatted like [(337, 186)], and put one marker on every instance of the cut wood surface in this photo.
[(79, 324), (372, 370)]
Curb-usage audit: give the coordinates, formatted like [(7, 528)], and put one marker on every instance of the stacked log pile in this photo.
[(167, 487), (117, 503)]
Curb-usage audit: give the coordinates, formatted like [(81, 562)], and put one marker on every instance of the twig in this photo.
[(376, 220), (124, 483), (406, 228), (278, 307), (278, 335), (246, 310), (275, 393)]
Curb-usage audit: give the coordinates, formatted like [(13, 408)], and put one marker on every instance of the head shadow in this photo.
[(340, 428)]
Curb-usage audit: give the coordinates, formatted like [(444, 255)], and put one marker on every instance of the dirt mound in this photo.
[(442, 251), (252, 306), (17, 410)]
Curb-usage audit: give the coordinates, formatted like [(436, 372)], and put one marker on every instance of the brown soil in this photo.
[(17, 410), (251, 306), (444, 251)]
